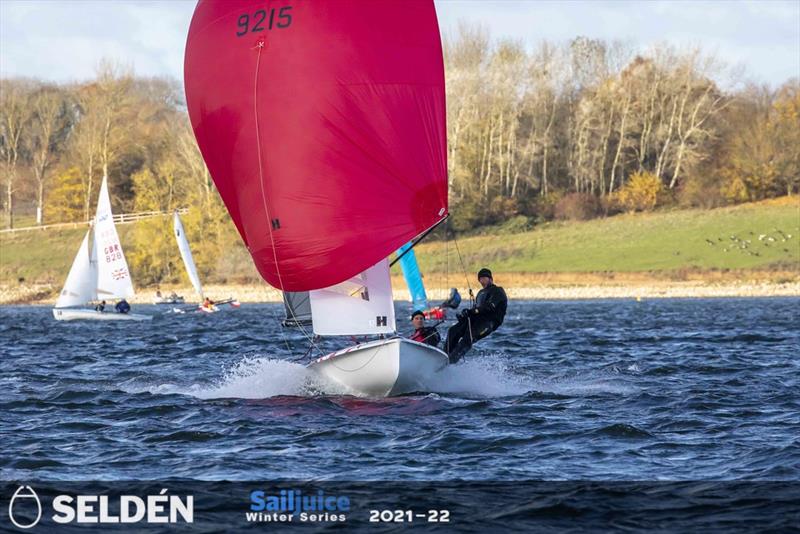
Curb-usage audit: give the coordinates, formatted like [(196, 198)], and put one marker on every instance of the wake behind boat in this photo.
[(99, 272)]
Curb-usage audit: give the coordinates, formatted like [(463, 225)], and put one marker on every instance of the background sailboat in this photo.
[(191, 268), (99, 271), (186, 255), (324, 131)]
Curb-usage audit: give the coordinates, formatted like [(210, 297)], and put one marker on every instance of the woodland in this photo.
[(570, 131)]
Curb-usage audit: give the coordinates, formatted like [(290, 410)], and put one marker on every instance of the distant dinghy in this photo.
[(99, 272), (191, 269), (186, 254)]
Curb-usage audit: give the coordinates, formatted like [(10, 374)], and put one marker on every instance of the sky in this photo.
[(64, 40)]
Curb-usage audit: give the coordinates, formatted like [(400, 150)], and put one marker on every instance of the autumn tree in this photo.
[(51, 122), (15, 118), (104, 127), (65, 198), (784, 128)]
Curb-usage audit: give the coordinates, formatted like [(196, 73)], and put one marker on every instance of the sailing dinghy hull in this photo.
[(382, 368), (88, 314), (169, 300)]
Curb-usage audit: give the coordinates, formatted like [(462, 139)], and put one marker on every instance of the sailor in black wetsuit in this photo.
[(479, 321), (122, 306)]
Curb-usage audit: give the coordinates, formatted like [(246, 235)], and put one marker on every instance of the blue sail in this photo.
[(413, 278)]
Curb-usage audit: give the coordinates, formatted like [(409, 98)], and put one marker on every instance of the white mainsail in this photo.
[(113, 276), (186, 254), (81, 284), (359, 306)]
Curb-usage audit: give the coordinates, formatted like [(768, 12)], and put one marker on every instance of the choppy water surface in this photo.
[(611, 390)]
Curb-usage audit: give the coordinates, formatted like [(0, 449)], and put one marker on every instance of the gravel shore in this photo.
[(46, 294)]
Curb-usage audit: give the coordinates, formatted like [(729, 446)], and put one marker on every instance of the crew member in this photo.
[(422, 333), (122, 306), (479, 321), (100, 307)]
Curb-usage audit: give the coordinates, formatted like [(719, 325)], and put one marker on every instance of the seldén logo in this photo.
[(93, 509), (24, 498)]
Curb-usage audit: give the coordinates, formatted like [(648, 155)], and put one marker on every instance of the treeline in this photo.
[(576, 130), (58, 141), (590, 127)]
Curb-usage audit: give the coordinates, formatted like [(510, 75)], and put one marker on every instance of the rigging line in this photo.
[(420, 238), (260, 47), (464, 270), (447, 259)]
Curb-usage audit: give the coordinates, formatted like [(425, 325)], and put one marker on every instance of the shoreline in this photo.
[(517, 287)]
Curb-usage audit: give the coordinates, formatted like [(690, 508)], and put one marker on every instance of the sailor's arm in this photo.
[(489, 305)]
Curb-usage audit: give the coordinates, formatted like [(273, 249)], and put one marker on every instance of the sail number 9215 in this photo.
[(263, 19)]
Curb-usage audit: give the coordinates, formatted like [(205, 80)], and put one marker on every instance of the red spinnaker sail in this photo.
[(323, 126)]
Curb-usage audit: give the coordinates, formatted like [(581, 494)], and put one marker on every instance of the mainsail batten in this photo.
[(345, 160)]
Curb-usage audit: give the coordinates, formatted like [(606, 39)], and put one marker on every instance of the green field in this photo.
[(756, 236), (42, 256), (725, 238)]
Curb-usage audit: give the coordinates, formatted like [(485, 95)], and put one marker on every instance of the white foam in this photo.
[(252, 377), (258, 378), (479, 376), (582, 385)]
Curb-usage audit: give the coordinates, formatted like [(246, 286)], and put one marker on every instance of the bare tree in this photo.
[(701, 104), (104, 128), (49, 127), (15, 117)]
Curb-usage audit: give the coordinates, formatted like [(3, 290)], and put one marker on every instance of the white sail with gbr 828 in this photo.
[(99, 272)]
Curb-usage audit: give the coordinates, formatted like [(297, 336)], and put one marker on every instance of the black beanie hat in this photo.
[(417, 313), (485, 272)]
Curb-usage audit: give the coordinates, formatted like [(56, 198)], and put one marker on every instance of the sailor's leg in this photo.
[(460, 349), (454, 334), (479, 330)]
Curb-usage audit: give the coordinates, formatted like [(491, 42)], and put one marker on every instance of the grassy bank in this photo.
[(756, 242), (757, 236)]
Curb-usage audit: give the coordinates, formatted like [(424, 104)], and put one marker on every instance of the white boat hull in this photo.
[(382, 368), (168, 300), (88, 314)]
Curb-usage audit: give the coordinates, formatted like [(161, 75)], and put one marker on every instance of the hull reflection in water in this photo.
[(382, 368)]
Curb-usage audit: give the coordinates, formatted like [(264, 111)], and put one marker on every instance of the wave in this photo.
[(256, 377), (479, 377)]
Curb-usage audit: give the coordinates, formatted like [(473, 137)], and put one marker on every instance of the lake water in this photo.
[(661, 390)]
